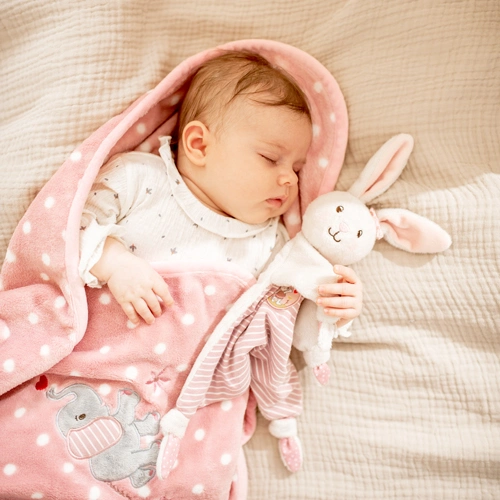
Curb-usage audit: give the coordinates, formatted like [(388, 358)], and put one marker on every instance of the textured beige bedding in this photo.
[(413, 406)]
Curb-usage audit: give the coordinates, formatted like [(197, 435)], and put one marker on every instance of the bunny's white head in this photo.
[(343, 229), (340, 227)]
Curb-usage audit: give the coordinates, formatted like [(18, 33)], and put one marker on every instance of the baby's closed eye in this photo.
[(269, 159)]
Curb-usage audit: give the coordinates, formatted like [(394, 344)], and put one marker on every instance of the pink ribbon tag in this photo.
[(291, 454), (169, 450), (322, 373)]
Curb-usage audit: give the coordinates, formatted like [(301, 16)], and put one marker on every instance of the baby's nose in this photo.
[(343, 227), (289, 177)]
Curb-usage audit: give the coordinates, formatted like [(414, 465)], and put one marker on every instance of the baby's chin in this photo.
[(256, 220)]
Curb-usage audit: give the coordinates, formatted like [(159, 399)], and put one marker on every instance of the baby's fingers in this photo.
[(347, 273), (129, 311), (142, 308), (153, 303), (344, 314), (341, 288), (340, 304), (162, 291)]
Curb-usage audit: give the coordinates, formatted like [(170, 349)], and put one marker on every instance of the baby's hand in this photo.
[(135, 285), (138, 288), (343, 299)]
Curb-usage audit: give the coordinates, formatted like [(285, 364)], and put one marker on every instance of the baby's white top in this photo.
[(141, 199)]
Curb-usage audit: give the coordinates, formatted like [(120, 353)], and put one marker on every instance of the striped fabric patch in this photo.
[(94, 438), (255, 353)]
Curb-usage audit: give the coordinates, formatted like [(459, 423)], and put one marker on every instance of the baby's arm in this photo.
[(104, 259), (135, 285), (343, 299)]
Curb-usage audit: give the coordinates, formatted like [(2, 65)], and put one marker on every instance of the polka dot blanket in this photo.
[(84, 393)]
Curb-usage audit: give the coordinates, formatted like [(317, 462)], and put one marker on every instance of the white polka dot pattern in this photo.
[(188, 319), (198, 489), (76, 156), (9, 365), (42, 440), (199, 434), (9, 469), (49, 202)]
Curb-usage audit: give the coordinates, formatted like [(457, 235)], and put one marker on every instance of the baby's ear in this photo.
[(194, 142), (411, 232)]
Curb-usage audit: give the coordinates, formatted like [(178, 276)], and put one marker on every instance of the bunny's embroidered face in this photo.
[(343, 229), (340, 227)]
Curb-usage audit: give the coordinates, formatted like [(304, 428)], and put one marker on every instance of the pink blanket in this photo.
[(82, 393), (94, 416)]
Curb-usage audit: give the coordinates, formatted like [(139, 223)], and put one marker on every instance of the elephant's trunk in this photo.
[(76, 389)]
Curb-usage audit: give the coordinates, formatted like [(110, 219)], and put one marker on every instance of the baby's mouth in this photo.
[(277, 202)]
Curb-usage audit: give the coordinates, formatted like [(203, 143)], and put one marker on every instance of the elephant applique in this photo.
[(111, 443)]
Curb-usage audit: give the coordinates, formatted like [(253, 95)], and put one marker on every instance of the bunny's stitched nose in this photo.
[(343, 227)]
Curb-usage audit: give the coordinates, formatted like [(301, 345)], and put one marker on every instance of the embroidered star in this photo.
[(116, 195), (173, 251), (177, 181), (149, 190), (133, 247), (195, 225), (159, 381), (82, 228)]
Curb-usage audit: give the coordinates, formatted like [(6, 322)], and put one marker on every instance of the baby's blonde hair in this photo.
[(221, 80)]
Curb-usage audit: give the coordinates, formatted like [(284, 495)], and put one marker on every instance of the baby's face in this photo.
[(254, 159)]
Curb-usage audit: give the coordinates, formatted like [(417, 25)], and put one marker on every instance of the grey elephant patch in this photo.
[(111, 442)]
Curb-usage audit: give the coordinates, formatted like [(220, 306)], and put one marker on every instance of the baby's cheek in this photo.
[(292, 196)]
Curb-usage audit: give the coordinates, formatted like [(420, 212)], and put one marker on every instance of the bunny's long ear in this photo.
[(411, 232), (383, 168)]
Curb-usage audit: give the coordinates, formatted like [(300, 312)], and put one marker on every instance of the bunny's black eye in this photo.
[(360, 233), (340, 208)]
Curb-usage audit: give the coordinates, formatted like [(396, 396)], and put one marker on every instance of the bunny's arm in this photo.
[(304, 268)]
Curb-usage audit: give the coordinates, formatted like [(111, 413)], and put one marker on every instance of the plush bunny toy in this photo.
[(338, 228)]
